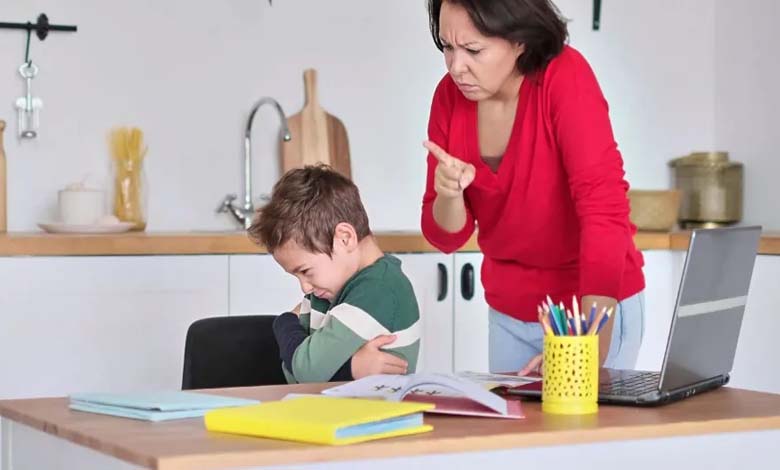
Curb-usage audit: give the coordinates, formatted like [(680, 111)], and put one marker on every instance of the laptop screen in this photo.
[(710, 305)]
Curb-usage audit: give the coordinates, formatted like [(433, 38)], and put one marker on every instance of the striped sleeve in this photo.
[(322, 353), (364, 314), (305, 314)]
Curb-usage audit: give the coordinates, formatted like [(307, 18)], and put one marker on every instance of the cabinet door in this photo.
[(470, 314), (663, 270), (431, 277), (79, 324), (259, 286), (755, 364)]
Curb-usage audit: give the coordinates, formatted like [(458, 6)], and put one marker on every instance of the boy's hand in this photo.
[(297, 310), (371, 360), (452, 174)]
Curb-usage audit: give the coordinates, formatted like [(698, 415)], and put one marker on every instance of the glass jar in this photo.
[(130, 192)]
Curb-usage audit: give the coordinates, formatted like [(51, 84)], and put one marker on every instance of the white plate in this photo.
[(60, 227)]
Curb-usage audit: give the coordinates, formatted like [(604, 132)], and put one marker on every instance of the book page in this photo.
[(491, 381), (396, 387)]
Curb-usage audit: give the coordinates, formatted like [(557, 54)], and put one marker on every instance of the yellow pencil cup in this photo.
[(570, 382)]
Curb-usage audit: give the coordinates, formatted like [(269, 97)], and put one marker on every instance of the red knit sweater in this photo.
[(553, 220)]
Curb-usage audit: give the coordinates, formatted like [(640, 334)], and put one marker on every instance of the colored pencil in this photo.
[(576, 310), (604, 320), (593, 328), (553, 321), (543, 321), (592, 314)]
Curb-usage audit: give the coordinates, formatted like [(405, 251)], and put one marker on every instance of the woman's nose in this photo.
[(457, 64)]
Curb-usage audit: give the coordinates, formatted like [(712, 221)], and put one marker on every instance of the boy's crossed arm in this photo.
[(347, 346)]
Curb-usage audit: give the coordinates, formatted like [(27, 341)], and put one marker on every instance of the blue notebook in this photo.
[(153, 406)]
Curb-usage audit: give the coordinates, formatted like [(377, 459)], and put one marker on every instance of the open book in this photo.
[(452, 394)]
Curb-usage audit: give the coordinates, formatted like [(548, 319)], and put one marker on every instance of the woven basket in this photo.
[(655, 210)]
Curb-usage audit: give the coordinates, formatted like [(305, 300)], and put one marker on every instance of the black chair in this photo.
[(234, 351)]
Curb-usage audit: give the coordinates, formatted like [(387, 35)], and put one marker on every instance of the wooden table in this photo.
[(44, 433)]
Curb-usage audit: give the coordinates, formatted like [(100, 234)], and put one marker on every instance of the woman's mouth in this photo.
[(467, 87)]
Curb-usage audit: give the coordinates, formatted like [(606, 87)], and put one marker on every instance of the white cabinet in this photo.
[(71, 324), (259, 286), (431, 277), (755, 365), (470, 314)]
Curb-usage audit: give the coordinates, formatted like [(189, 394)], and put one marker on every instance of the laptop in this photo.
[(705, 325)]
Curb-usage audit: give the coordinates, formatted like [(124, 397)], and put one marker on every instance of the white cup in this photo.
[(81, 206)]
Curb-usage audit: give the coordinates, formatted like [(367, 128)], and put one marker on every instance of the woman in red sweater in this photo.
[(521, 148)]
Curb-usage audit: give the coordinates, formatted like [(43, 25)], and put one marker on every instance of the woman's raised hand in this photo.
[(452, 174)]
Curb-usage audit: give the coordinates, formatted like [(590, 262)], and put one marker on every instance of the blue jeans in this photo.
[(513, 342)]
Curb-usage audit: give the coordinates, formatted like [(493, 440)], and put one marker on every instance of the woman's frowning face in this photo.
[(481, 66)]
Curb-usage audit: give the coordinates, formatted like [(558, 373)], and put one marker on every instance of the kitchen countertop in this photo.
[(236, 242)]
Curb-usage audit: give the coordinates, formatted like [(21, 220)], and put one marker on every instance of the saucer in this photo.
[(61, 227)]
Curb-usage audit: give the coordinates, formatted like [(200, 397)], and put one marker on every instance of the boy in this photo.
[(356, 298)]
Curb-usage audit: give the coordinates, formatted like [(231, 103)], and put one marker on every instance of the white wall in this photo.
[(654, 61), (187, 72), (747, 99)]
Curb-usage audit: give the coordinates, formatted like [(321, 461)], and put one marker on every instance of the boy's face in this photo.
[(318, 273)]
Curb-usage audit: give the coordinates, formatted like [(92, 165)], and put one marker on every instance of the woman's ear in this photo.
[(345, 237), (519, 50)]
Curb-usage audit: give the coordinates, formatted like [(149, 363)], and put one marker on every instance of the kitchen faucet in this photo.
[(244, 213)]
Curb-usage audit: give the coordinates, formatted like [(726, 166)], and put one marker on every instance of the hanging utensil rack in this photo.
[(41, 27)]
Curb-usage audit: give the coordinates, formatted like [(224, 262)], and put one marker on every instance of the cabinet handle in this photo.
[(467, 281), (442, 282)]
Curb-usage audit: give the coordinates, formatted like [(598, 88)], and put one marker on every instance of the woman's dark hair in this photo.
[(536, 23)]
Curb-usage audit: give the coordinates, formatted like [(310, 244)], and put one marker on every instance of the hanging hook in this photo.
[(28, 70), (29, 106), (27, 48)]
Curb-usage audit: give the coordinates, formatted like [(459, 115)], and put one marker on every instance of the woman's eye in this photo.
[(473, 51)]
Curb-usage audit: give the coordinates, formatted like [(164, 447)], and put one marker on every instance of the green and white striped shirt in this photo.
[(377, 300)]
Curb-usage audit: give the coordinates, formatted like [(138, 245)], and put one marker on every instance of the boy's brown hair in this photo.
[(306, 205)]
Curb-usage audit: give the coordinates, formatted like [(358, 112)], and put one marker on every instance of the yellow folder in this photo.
[(322, 420)]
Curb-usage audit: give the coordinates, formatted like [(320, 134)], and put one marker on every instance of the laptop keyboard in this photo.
[(634, 386)]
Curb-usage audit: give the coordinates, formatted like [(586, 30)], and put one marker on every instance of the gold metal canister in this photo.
[(711, 188)]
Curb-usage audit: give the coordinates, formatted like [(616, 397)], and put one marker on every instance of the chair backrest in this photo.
[(232, 351)]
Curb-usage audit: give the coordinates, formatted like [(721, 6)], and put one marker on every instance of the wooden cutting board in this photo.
[(316, 135)]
